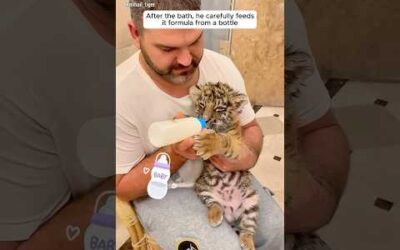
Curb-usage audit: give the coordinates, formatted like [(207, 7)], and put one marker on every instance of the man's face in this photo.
[(173, 54)]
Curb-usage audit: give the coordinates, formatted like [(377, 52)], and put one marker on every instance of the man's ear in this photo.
[(135, 34)]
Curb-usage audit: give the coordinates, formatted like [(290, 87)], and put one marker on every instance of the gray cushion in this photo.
[(180, 214)]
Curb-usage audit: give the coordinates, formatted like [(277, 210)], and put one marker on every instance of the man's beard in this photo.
[(169, 75)]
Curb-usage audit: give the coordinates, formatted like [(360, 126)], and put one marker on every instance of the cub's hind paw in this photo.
[(215, 215), (247, 241)]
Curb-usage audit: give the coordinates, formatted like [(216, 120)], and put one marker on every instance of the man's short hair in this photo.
[(139, 6)]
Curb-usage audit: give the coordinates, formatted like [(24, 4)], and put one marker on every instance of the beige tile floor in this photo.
[(374, 135), (268, 171)]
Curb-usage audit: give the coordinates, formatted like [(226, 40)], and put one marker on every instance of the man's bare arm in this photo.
[(52, 234), (252, 137), (133, 185), (320, 185), (9, 245)]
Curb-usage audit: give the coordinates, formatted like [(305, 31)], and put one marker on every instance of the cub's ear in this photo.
[(195, 92), (238, 100)]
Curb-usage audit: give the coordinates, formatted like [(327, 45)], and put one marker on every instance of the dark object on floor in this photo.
[(277, 158), (187, 244), (256, 108), (383, 204), (276, 115), (334, 85), (305, 242), (381, 102)]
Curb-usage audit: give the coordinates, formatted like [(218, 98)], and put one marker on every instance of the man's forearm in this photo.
[(52, 234), (253, 140), (318, 187), (133, 185)]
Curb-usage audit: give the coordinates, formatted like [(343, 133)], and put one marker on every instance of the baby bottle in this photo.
[(100, 234), (160, 173), (171, 131)]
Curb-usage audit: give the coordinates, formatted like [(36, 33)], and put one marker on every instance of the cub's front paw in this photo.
[(206, 144)]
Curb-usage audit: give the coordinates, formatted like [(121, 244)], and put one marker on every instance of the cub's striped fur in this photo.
[(226, 194)]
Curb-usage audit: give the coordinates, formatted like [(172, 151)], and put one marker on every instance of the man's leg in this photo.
[(181, 214), (270, 231)]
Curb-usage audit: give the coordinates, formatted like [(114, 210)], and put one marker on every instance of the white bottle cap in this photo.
[(163, 159)]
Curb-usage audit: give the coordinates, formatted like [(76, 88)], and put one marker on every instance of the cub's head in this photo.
[(217, 103)]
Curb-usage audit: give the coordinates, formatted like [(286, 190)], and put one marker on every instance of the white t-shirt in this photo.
[(52, 91), (139, 103), (314, 100)]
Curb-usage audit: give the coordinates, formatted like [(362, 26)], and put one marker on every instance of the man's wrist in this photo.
[(173, 153), (176, 159)]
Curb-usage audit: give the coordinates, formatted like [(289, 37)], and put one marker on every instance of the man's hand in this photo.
[(228, 165), (133, 184), (185, 149), (252, 138)]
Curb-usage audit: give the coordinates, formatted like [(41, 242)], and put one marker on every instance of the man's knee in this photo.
[(270, 230), (181, 216)]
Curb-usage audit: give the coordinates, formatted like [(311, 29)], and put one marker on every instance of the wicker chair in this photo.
[(139, 238)]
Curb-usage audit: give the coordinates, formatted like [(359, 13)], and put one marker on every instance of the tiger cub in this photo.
[(226, 194)]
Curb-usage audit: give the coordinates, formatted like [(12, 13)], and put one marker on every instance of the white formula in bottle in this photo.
[(172, 131)]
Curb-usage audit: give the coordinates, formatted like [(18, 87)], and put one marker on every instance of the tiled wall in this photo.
[(258, 53), (346, 37)]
